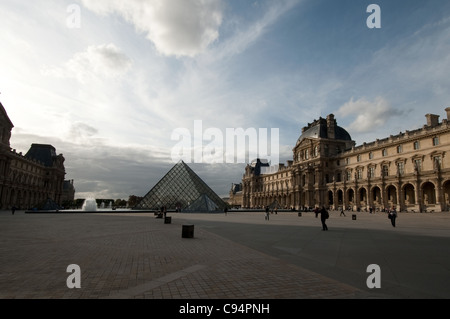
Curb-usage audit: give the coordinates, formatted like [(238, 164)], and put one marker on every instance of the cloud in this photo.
[(104, 61), (248, 34), (206, 85), (111, 171), (81, 132), (368, 115), (100, 169), (176, 27)]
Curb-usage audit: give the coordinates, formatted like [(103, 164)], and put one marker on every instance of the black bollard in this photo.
[(187, 231)]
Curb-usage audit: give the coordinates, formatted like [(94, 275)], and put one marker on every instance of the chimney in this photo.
[(448, 113), (432, 119), (331, 123)]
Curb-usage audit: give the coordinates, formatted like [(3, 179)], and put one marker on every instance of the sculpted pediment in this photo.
[(306, 142)]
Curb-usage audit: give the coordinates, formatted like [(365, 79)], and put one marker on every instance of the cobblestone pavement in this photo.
[(135, 255)]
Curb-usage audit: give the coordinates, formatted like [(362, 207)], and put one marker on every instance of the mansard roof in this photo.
[(319, 129), (43, 153), (4, 115)]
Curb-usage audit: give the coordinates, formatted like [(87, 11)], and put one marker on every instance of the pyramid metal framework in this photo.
[(179, 189), (202, 204)]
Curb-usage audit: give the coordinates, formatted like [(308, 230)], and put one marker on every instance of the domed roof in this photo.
[(319, 129)]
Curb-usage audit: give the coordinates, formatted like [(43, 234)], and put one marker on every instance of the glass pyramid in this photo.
[(202, 204), (181, 189)]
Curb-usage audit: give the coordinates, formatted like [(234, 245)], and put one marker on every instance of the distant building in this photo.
[(235, 198), (26, 181), (410, 171), (68, 194)]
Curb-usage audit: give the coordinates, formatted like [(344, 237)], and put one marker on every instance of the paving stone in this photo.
[(136, 256)]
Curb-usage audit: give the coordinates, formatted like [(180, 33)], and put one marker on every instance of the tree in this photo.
[(133, 200)]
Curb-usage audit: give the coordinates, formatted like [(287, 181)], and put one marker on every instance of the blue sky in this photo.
[(108, 92)]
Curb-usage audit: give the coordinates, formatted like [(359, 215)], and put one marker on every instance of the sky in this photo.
[(109, 83)]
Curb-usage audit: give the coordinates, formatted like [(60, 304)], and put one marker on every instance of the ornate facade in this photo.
[(410, 171), (235, 199), (26, 181)]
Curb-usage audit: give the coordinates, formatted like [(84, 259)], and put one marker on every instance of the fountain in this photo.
[(90, 204)]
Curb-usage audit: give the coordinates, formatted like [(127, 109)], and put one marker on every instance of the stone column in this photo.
[(439, 198), (418, 195), (335, 198), (397, 194)]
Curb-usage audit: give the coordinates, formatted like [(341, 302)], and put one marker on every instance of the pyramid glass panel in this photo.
[(202, 204), (179, 189)]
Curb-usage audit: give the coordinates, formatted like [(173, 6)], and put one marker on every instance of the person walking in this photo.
[(324, 215), (267, 213), (316, 211), (392, 215), (13, 209), (342, 212)]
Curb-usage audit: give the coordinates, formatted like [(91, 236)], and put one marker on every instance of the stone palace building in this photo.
[(410, 171), (27, 181)]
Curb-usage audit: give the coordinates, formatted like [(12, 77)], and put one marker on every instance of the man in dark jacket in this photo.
[(323, 217), (392, 214)]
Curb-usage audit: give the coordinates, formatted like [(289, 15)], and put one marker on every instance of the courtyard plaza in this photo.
[(238, 255)]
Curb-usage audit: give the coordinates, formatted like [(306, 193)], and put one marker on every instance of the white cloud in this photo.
[(105, 61), (100, 169), (248, 33), (176, 27), (81, 133), (206, 86), (368, 115)]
